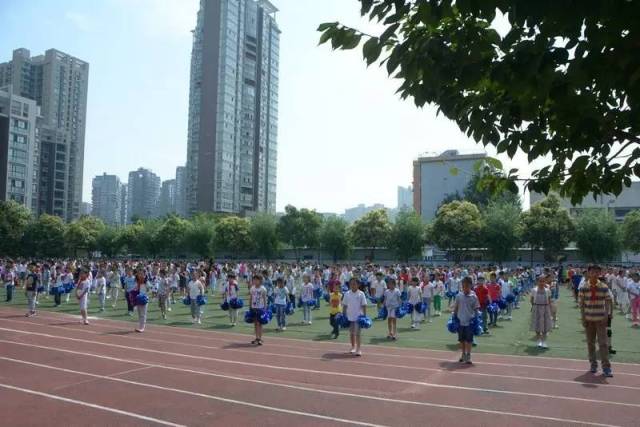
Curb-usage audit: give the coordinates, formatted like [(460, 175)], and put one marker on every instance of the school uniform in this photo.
[(354, 303)]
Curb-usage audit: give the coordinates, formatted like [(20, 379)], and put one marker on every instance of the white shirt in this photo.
[(392, 298), (194, 288), (82, 291), (307, 292), (380, 286), (354, 301), (415, 295), (428, 290), (101, 285)]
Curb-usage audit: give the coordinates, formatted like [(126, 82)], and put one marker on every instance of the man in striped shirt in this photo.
[(594, 299)]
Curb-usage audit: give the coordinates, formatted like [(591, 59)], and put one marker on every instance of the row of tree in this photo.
[(495, 225)]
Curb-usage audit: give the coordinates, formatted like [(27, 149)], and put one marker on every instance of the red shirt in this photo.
[(483, 294), (495, 291), (333, 285)]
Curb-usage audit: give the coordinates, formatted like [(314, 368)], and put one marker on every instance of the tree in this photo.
[(172, 235), (299, 228), (334, 238), (631, 231), (547, 226), (14, 219), (200, 234), (559, 82), (45, 237), (597, 236), (456, 228), (232, 234), (407, 238), (109, 241), (130, 237), (264, 234), (76, 237), (149, 241), (372, 231), (501, 231)]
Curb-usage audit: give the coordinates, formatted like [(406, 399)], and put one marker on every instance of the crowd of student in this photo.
[(420, 292)]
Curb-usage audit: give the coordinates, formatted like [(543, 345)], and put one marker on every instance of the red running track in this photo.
[(55, 371)]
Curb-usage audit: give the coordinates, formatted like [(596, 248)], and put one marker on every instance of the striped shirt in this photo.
[(594, 301)]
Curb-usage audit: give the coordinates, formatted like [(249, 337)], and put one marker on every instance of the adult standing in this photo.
[(595, 302)]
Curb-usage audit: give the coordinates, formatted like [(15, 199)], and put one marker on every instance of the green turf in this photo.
[(511, 337)]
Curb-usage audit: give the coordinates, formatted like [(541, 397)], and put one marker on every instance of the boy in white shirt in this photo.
[(258, 303), (415, 299), (101, 289), (354, 305), (392, 300), (428, 291)]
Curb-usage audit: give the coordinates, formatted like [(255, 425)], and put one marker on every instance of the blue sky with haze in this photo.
[(344, 136)]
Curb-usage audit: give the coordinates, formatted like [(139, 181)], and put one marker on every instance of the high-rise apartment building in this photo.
[(233, 108), (181, 191), (18, 148), (167, 204), (124, 204), (106, 199), (405, 197), (143, 194), (436, 177), (58, 82)]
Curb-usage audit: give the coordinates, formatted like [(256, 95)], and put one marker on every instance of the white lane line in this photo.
[(334, 373), (507, 365), (192, 393), (309, 344), (347, 361), (314, 390), (90, 405)]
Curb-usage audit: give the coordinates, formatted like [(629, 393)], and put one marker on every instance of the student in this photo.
[(594, 301), (114, 290), (101, 289), (317, 289), (541, 322), (392, 300), (82, 294), (130, 284), (141, 287), (335, 307), (505, 287), (465, 308), (378, 286), (31, 288), (258, 303), (482, 292), (9, 278), (415, 299), (438, 293), (428, 291), (196, 288), (355, 305), (633, 289), (281, 300), (164, 289), (495, 292), (230, 292), (306, 296)]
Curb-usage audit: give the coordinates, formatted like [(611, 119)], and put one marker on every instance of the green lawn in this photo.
[(511, 337)]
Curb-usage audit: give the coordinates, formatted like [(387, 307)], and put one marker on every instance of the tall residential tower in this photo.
[(233, 108), (58, 83)]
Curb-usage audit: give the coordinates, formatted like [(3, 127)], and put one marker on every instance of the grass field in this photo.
[(511, 337)]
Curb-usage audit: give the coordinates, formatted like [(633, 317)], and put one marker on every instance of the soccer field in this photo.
[(511, 337)]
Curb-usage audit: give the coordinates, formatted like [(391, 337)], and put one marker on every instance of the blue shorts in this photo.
[(465, 334)]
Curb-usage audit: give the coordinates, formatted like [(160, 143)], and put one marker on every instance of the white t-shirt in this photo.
[(392, 298), (230, 291), (307, 292), (163, 286), (82, 291), (380, 286), (101, 285), (428, 290), (415, 296), (354, 301), (258, 296), (194, 288)]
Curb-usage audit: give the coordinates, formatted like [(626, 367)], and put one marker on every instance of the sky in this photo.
[(345, 137)]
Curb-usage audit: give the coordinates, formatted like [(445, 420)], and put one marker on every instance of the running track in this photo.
[(55, 371)]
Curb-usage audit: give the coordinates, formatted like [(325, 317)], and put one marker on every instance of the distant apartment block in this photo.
[(233, 108), (618, 206), (106, 199), (435, 177), (181, 191), (143, 194), (405, 198), (58, 82), (167, 204), (18, 148)]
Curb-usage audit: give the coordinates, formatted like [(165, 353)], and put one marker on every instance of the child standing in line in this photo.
[(633, 289), (465, 307), (335, 307), (281, 300), (415, 299), (541, 312), (82, 294), (306, 295), (258, 303), (101, 289), (230, 292), (196, 288), (31, 281), (438, 293), (130, 284), (392, 300), (495, 292), (428, 291), (355, 305), (163, 293), (141, 287)]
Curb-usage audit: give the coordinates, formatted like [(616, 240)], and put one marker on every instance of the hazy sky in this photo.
[(344, 136)]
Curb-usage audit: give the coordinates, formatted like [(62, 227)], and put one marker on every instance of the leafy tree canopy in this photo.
[(457, 227), (547, 226), (232, 234), (264, 234), (563, 81), (372, 230), (407, 237), (597, 236), (335, 239), (631, 231), (501, 230), (14, 219)]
